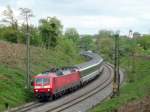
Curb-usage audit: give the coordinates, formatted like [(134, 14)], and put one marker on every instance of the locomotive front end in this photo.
[(42, 87)]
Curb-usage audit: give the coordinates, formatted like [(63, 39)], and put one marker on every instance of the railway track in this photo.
[(27, 107), (95, 90), (73, 98)]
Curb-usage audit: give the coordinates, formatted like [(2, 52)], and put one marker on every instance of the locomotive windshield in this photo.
[(42, 81)]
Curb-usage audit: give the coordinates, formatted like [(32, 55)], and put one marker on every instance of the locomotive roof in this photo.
[(57, 72), (45, 75)]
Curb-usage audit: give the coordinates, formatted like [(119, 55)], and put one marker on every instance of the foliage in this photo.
[(12, 87), (129, 91), (46, 34), (10, 17), (35, 38), (137, 83), (105, 33), (50, 29), (71, 33), (8, 34), (87, 43), (144, 42), (105, 46)]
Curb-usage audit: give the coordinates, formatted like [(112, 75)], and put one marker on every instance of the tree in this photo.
[(105, 33), (144, 42), (10, 19), (87, 43), (50, 30), (66, 48), (35, 36), (71, 33), (105, 46)]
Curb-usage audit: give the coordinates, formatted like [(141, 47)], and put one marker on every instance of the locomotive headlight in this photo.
[(48, 90), (46, 86), (37, 87), (36, 90)]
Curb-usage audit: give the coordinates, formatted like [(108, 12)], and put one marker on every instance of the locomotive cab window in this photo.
[(42, 81)]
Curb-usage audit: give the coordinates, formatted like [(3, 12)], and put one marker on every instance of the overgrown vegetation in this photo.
[(130, 90), (133, 53)]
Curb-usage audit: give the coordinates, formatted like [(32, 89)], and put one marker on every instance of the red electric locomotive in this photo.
[(55, 82)]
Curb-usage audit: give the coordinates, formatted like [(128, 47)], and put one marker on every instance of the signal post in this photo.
[(116, 78)]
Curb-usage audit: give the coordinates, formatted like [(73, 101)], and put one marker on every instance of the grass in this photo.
[(13, 67), (135, 88), (12, 89)]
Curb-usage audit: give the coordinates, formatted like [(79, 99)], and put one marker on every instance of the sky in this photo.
[(89, 16)]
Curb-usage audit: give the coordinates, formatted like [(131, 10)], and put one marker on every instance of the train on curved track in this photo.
[(56, 82)]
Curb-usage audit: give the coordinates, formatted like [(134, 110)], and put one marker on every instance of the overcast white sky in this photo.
[(90, 16)]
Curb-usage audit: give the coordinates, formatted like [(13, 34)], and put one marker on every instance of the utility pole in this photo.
[(28, 60), (27, 13), (116, 79), (28, 51), (118, 61)]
